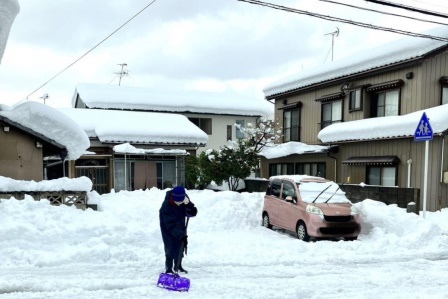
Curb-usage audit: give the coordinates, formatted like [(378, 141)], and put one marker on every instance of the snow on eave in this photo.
[(397, 52), (150, 128), (291, 148), (388, 127), (54, 125)]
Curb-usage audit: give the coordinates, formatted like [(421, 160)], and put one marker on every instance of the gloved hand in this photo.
[(191, 211)]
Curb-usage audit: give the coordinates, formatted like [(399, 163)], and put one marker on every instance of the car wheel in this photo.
[(302, 234), (266, 222)]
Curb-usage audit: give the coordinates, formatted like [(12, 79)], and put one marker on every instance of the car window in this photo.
[(321, 192), (288, 190), (275, 188)]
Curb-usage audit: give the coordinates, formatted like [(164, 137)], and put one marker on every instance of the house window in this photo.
[(444, 95), (291, 125), (381, 176), (205, 124), (314, 169), (239, 134), (355, 100), (281, 168), (331, 113), (385, 103), (229, 132)]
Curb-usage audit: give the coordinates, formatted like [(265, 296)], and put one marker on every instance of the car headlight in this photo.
[(313, 210), (353, 210)]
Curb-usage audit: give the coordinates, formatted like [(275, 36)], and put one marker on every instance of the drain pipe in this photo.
[(335, 165), (441, 162), (409, 172)]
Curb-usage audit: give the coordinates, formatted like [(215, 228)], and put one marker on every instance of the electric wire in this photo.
[(410, 8), (98, 44), (384, 12), (432, 4), (335, 19)]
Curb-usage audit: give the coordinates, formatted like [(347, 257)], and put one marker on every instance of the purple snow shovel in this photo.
[(172, 281)]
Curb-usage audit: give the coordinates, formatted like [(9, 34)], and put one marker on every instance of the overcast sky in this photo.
[(183, 44)]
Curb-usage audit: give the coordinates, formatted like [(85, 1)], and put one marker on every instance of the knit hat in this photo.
[(178, 193)]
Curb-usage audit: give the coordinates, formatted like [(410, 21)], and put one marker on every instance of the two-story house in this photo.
[(367, 107), (168, 126)]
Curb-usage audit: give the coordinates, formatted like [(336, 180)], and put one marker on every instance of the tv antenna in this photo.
[(333, 34), (122, 73), (44, 97)]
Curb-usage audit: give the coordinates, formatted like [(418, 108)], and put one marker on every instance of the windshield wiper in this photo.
[(321, 193), (333, 194)]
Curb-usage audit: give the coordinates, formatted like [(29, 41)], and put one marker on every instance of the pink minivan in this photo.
[(311, 207)]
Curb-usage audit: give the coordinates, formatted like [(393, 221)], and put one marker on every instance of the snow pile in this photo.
[(8, 11), (117, 251), (52, 124), (62, 184)]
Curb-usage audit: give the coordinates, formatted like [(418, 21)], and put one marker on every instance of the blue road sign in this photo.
[(423, 132)]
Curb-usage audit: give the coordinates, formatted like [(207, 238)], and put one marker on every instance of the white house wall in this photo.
[(218, 138)]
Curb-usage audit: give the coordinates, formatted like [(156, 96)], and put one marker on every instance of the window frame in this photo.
[(375, 98), (381, 178), (238, 133), (325, 123), (203, 123), (281, 169), (443, 88), (293, 129), (352, 106), (317, 165)]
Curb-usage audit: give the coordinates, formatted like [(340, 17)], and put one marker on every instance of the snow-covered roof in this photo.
[(117, 126), (291, 148), (180, 101), (50, 123), (401, 50), (385, 127), (8, 11)]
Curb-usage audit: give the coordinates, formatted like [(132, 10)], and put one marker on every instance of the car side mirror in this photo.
[(289, 198)]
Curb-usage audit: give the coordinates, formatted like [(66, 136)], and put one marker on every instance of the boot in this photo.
[(181, 269), (168, 265)]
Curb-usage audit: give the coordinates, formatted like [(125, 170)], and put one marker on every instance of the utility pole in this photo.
[(333, 34), (122, 73)]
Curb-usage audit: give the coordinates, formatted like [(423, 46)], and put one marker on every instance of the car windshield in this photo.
[(312, 192)]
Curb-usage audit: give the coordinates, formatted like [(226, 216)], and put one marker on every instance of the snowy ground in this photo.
[(117, 252)]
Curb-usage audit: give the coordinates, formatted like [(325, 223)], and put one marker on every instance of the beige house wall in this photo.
[(20, 159)]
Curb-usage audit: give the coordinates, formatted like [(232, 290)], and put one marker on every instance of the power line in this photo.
[(335, 19), (432, 4), (85, 54), (411, 8), (383, 12)]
